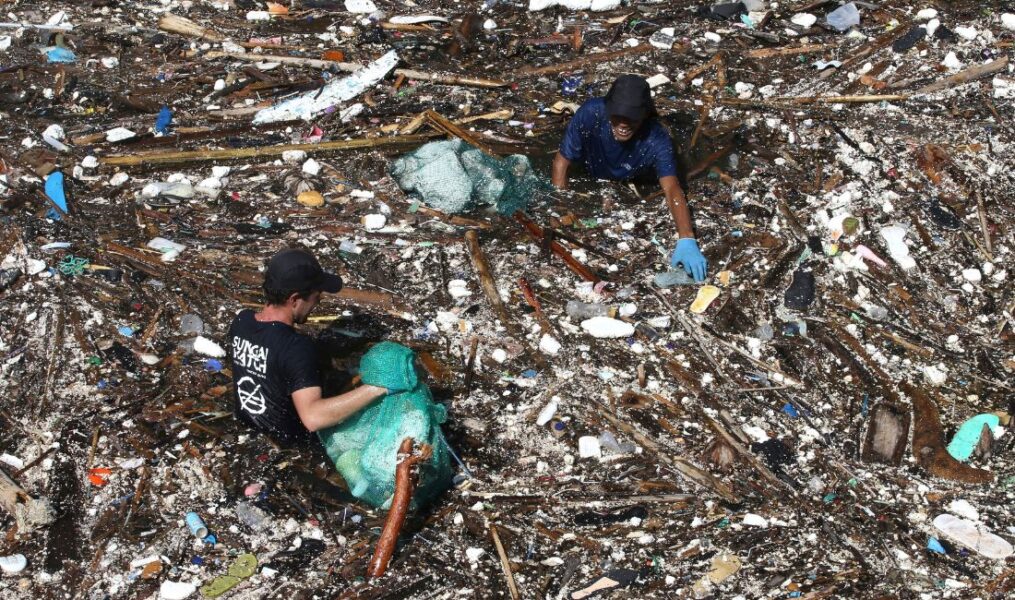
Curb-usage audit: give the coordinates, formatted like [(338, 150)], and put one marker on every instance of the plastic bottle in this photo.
[(586, 310)]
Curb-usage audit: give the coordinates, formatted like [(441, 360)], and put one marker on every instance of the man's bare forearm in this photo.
[(317, 412), (559, 175), (677, 204)]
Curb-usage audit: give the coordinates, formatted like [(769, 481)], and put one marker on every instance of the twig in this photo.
[(504, 563)]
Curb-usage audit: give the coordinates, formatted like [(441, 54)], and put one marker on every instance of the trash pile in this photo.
[(826, 416)]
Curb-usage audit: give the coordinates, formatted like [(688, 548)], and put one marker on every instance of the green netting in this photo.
[(364, 447), (453, 177)]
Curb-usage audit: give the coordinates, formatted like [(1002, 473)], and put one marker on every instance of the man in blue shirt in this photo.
[(618, 137)]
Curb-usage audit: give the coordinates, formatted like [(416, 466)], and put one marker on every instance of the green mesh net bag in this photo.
[(453, 176), (364, 447)]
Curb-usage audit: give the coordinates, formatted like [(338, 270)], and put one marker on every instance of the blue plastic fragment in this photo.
[(790, 410), (529, 373), (102, 384), (935, 546), (210, 539), (197, 560), (163, 121), (968, 435), (126, 330), (60, 55), (54, 191), (213, 365)]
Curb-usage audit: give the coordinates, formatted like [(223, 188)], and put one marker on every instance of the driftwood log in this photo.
[(405, 485)]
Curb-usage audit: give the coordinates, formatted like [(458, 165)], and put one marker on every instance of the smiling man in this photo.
[(275, 375), (619, 138)]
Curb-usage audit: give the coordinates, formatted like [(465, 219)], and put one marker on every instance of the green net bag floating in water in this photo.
[(453, 176), (364, 447)]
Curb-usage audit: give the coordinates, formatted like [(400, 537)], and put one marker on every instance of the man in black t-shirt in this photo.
[(275, 377)]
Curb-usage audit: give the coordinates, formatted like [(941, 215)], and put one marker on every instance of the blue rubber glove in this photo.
[(688, 254)]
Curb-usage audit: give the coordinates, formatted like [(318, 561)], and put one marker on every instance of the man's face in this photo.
[(624, 128), (302, 308)]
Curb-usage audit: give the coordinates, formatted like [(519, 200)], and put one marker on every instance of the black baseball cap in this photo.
[(296, 269), (629, 97)]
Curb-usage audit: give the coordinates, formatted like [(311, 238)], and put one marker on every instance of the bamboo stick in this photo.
[(792, 51), (208, 155), (317, 63), (965, 76)]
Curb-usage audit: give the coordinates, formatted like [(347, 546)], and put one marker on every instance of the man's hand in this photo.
[(688, 254)]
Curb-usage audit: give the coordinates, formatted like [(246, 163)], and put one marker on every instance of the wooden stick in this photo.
[(198, 156), (683, 467), (452, 79), (486, 280), (581, 63), (29, 513), (965, 76), (439, 122), (405, 485), (789, 51), (572, 263), (504, 563)]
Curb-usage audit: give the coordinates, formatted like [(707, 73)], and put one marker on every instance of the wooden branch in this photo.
[(208, 155), (572, 263), (505, 564), (486, 280), (405, 485), (789, 51), (683, 467), (29, 513), (965, 76), (928, 442), (581, 63)]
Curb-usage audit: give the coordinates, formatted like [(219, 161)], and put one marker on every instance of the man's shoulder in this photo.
[(592, 108), (658, 136)]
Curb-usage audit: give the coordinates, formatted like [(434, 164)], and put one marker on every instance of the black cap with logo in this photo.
[(296, 269), (629, 97)]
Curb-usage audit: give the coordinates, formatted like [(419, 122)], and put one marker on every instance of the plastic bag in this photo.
[(454, 177), (364, 448)]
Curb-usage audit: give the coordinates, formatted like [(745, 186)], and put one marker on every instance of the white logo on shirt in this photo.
[(251, 398), (250, 356)]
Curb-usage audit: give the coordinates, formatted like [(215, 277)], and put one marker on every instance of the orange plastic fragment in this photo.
[(277, 9), (99, 476), (336, 55)]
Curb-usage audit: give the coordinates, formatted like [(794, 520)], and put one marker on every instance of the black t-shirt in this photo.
[(270, 362)]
